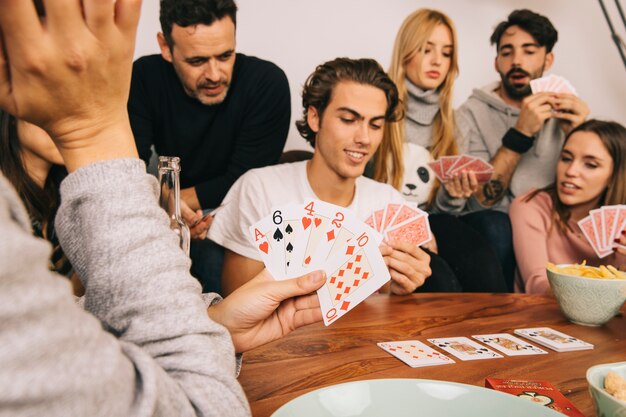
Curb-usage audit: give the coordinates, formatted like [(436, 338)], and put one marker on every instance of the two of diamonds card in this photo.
[(401, 222), (553, 339), (602, 226), (553, 84), (446, 167), (299, 238)]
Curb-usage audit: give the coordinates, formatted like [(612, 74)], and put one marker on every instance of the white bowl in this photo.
[(606, 405)]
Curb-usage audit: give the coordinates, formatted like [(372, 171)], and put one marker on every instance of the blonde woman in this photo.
[(424, 68)]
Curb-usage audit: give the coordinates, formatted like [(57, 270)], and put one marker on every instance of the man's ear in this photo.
[(166, 52), (313, 119), (548, 61)]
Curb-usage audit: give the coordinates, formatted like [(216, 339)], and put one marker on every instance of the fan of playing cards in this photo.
[(447, 166), (297, 238), (553, 84), (603, 226)]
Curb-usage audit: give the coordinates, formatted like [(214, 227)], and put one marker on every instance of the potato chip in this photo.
[(583, 270)]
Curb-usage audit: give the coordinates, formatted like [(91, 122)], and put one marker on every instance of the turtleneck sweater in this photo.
[(421, 108)]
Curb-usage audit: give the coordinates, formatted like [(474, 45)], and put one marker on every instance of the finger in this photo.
[(20, 25), (473, 182), (409, 248), (99, 15), (403, 282), (306, 317), (64, 17), (306, 302), (283, 290), (127, 16)]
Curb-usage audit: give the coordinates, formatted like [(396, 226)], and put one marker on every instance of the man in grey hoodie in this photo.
[(147, 342), (518, 132)]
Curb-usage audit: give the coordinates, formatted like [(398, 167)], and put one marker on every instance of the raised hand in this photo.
[(70, 73)]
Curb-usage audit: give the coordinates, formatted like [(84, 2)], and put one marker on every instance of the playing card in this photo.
[(609, 217), (268, 238), (620, 226), (351, 281), (464, 348), (437, 169), (415, 231), (390, 213), (460, 161), (509, 345), (378, 219), (324, 222), (476, 165), (405, 212), (483, 176), (553, 339), (415, 353), (588, 229), (447, 162), (295, 235)]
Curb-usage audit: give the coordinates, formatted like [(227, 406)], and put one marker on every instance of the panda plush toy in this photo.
[(418, 177)]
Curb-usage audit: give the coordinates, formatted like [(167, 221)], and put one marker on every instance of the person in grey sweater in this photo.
[(518, 132), (147, 342)]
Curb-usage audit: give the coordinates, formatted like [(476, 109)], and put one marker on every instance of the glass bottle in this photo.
[(169, 198)]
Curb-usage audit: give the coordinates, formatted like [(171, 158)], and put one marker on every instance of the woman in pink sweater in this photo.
[(590, 173)]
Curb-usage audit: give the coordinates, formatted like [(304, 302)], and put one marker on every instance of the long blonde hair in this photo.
[(411, 39)]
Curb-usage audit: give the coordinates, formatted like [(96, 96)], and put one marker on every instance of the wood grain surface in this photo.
[(317, 356)]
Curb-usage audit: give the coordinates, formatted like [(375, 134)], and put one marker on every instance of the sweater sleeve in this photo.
[(261, 138), (148, 347), (531, 225)]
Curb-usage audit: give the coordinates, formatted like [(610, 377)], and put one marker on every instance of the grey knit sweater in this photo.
[(144, 346)]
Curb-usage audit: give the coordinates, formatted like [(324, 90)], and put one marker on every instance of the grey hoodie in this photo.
[(482, 122)]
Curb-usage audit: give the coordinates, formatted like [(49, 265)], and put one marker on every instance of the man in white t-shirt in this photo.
[(345, 106)]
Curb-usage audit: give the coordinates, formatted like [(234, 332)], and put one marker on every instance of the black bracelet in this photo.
[(516, 141)]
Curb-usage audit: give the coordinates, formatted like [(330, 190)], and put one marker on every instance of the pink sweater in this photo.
[(537, 240)]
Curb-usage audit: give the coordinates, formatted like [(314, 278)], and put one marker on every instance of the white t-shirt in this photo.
[(254, 194)]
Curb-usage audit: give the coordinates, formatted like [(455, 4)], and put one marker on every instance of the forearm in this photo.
[(504, 163), (138, 285)]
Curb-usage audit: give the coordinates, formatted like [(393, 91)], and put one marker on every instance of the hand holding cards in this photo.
[(446, 167), (603, 226), (298, 238)]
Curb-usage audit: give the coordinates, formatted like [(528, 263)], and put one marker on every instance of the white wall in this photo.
[(299, 34)]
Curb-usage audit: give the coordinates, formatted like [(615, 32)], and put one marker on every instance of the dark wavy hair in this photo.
[(539, 27), (318, 88), (613, 137), (193, 12)]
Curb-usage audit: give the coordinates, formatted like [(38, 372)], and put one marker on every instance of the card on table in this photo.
[(553, 339), (509, 345), (464, 348), (415, 353)]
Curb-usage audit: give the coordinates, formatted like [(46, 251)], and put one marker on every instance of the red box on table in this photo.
[(540, 392)]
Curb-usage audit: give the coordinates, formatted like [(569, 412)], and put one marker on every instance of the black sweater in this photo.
[(218, 143)]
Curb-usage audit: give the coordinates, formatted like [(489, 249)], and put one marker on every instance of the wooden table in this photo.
[(318, 356)]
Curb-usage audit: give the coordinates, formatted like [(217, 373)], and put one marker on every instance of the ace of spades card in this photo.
[(349, 281)]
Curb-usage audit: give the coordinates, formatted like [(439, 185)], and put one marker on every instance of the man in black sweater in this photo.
[(221, 112)]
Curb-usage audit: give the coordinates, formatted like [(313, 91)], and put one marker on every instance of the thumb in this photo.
[(295, 287)]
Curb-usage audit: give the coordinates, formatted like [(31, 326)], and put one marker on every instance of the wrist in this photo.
[(517, 141)]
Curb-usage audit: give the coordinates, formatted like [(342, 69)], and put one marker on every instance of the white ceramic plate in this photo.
[(410, 397)]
